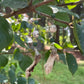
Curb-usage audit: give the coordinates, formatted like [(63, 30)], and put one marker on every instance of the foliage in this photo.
[(16, 3), (59, 75), (6, 33), (71, 63), (79, 36), (69, 1), (37, 29)]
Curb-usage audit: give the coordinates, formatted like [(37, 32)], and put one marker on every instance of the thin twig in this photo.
[(31, 8), (30, 3), (43, 3), (27, 9), (21, 11), (25, 53), (46, 15), (32, 66), (72, 3)]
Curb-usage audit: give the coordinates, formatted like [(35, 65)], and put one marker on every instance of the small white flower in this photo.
[(35, 33), (47, 29), (55, 10), (32, 20), (25, 19), (29, 39), (4, 50), (53, 29)]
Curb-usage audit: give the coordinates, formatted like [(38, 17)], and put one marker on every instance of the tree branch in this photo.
[(24, 53), (31, 8), (30, 3), (72, 3), (50, 62), (32, 66), (27, 9), (21, 11), (46, 15), (43, 3)]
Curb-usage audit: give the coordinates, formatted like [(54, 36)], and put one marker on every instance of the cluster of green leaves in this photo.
[(16, 32), (79, 33), (9, 34), (9, 74), (15, 3)]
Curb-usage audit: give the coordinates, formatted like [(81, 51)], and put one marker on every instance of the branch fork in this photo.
[(30, 8), (35, 62), (50, 62)]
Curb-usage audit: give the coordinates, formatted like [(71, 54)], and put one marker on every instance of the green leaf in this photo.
[(62, 10), (6, 33), (35, 44), (20, 74), (62, 17), (45, 9), (47, 55), (13, 67), (25, 25), (37, 1), (41, 38), (12, 76), (57, 0), (21, 80), (79, 35), (62, 14), (31, 81), (26, 62), (36, 22), (52, 40), (72, 64), (15, 3), (15, 27), (3, 71), (19, 41), (57, 46), (3, 61), (17, 55), (70, 1), (68, 45), (62, 57), (2, 78)]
